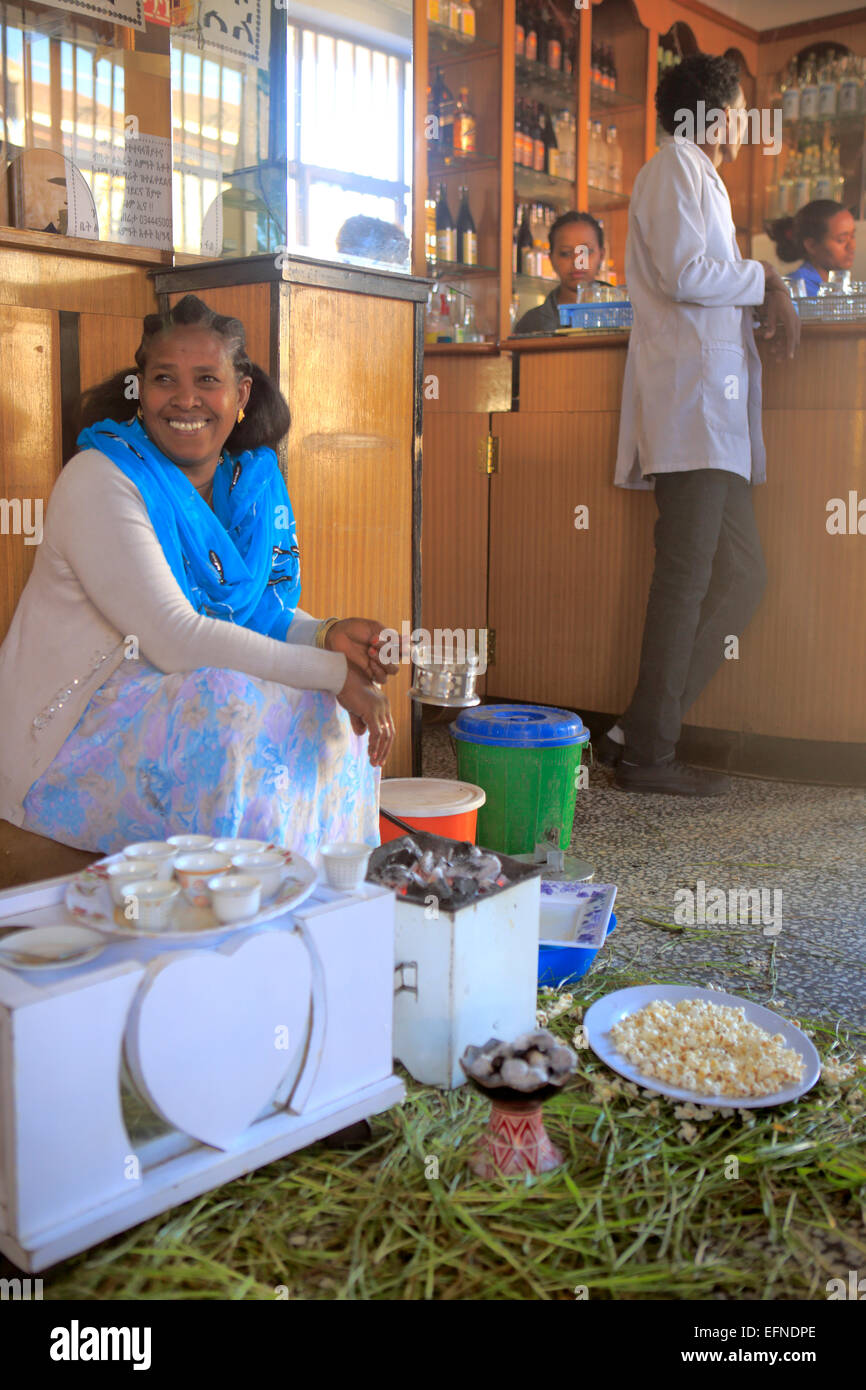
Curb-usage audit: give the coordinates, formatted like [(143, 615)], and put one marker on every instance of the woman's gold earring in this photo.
[(139, 414), (240, 416)]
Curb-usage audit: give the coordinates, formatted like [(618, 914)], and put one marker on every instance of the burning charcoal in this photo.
[(535, 1058), (522, 1044), (515, 1073), (488, 868), (562, 1059), (481, 1067)]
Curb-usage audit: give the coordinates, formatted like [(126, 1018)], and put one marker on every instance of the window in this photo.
[(349, 141)]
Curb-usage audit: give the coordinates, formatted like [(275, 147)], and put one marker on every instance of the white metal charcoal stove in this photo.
[(465, 970), (135, 1082)]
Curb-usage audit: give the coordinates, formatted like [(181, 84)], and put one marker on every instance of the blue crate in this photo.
[(559, 964), (589, 316)]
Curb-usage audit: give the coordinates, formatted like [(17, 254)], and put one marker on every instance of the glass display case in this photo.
[(85, 139)]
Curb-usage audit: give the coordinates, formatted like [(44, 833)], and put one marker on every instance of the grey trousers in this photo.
[(708, 580)]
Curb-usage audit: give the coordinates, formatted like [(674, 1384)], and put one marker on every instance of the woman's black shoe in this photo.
[(607, 752)]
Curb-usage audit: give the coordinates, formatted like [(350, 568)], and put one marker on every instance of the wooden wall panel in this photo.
[(106, 344), (454, 532), (348, 372), (801, 671), (466, 383), (252, 305), (81, 284), (567, 605), (29, 432), (579, 376)]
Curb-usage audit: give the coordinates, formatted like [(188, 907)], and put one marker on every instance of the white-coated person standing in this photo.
[(691, 416)]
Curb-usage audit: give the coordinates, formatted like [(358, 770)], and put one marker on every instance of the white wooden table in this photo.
[(244, 1049)]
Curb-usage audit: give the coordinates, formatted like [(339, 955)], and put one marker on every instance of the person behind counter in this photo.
[(158, 677), (576, 252), (822, 235)]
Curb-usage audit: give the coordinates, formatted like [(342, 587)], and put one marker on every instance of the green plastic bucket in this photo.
[(526, 758)]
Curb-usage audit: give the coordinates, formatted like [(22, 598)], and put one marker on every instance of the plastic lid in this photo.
[(521, 726), (429, 796)]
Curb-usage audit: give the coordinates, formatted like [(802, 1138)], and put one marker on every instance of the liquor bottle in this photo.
[(433, 17), (538, 146), (515, 232), (530, 24), (524, 244), (454, 13), (828, 89), (611, 67), (443, 109), (464, 125), (614, 161), (551, 148), (791, 93), (519, 32), (525, 137), (595, 61), (446, 232), (837, 178), (467, 237), (430, 230), (809, 91), (849, 88), (569, 51), (822, 184), (518, 133), (467, 19), (802, 192), (553, 44), (785, 192)]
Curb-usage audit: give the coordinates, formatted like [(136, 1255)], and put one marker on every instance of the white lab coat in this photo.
[(692, 388)]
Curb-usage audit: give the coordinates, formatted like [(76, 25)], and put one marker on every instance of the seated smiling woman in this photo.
[(158, 677)]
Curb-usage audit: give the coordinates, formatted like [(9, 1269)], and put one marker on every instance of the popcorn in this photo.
[(704, 1047), (835, 1072)]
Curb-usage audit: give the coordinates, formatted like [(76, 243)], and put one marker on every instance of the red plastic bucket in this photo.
[(430, 803)]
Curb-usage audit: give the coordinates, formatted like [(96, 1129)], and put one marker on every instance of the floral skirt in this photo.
[(207, 752)]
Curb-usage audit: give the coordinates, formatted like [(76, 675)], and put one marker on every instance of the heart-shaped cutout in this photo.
[(211, 1034)]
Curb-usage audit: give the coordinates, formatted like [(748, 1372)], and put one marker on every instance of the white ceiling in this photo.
[(772, 14)]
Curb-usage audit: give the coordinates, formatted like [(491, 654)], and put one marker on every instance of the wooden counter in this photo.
[(567, 604)]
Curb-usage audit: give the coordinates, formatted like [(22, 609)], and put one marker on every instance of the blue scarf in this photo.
[(240, 561)]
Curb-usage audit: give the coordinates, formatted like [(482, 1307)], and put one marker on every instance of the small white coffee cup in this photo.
[(268, 866), (194, 870), (160, 851), (126, 871), (231, 847), (190, 844), (345, 864), (234, 897), (150, 902)]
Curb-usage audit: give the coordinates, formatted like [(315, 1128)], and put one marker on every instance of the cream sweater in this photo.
[(100, 576)]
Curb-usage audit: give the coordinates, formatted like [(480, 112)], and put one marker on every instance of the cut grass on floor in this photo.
[(650, 1204)]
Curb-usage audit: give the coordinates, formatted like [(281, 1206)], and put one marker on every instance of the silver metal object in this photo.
[(449, 684)]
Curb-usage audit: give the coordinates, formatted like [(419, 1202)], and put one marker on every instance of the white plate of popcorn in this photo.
[(702, 1045)]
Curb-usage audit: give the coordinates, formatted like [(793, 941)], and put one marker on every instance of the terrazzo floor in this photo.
[(806, 843)]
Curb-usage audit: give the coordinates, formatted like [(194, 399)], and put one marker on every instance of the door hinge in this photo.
[(488, 455), (491, 646)]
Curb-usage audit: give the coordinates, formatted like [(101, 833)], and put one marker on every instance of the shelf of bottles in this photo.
[(451, 24), (823, 102), (462, 160)]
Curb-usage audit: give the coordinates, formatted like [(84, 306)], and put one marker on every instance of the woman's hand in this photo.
[(360, 640), (368, 710)]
